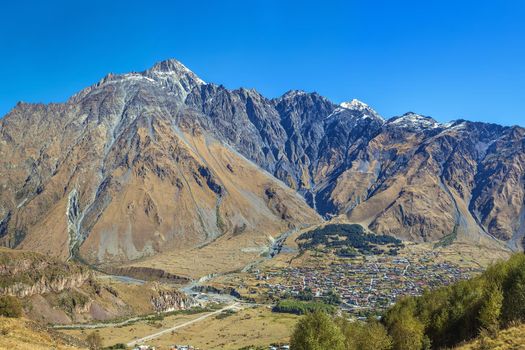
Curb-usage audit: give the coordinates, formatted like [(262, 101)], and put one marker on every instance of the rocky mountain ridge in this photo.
[(141, 163)]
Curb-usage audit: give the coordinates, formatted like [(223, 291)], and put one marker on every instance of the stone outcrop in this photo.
[(44, 286), (171, 300), (24, 274)]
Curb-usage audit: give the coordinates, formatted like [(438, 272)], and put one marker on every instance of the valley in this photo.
[(238, 305), (155, 208), (366, 284)]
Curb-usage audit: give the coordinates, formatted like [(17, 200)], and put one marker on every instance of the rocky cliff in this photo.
[(24, 274), (64, 292), (170, 300)]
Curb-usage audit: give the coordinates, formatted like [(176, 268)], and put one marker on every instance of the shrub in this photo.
[(317, 331), (118, 346), (10, 306)]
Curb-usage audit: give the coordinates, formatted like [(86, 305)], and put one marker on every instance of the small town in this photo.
[(365, 284)]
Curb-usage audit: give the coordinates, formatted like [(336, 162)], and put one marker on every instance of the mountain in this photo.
[(409, 176), (160, 161), (123, 170)]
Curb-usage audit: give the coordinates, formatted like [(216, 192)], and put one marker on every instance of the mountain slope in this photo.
[(21, 334), (123, 170)]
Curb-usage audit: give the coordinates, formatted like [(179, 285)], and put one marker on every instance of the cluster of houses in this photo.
[(364, 284)]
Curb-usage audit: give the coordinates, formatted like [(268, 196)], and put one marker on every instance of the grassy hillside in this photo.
[(21, 334), (508, 339)]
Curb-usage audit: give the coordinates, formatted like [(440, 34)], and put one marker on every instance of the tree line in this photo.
[(348, 238)]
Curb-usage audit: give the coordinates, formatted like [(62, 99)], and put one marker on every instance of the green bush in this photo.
[(118, 346), (10, 306), (370, 335), (224, 314)]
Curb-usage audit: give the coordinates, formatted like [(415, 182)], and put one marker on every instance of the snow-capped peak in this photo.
[(172, 68), (415, 121), (170, 65), (358, 109), (355, 104)]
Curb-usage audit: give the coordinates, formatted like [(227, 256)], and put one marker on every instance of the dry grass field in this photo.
[(128, 333), (250, 326), (253, 326), (21, 334)]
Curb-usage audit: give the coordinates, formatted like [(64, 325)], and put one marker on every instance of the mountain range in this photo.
[(161, 161)]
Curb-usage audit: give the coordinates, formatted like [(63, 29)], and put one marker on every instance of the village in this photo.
[(365, 285)]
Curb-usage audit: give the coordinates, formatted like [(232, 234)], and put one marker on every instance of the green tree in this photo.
[(371, 335), (407, 332), (317, 331), (332, 298), (10, 306), (306, 294), (377, 337), (514, 297), (490, 312)]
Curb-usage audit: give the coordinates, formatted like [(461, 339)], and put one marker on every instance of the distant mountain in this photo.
[(141, 163)]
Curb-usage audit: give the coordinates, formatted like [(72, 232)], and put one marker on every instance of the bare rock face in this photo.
[(170, 300), (157, 161)]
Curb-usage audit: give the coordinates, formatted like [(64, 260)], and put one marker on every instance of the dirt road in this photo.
[(171, 329)]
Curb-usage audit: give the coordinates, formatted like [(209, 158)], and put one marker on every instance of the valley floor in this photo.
[(222, 330)]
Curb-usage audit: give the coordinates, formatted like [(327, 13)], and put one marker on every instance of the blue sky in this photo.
[(447, 59)]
